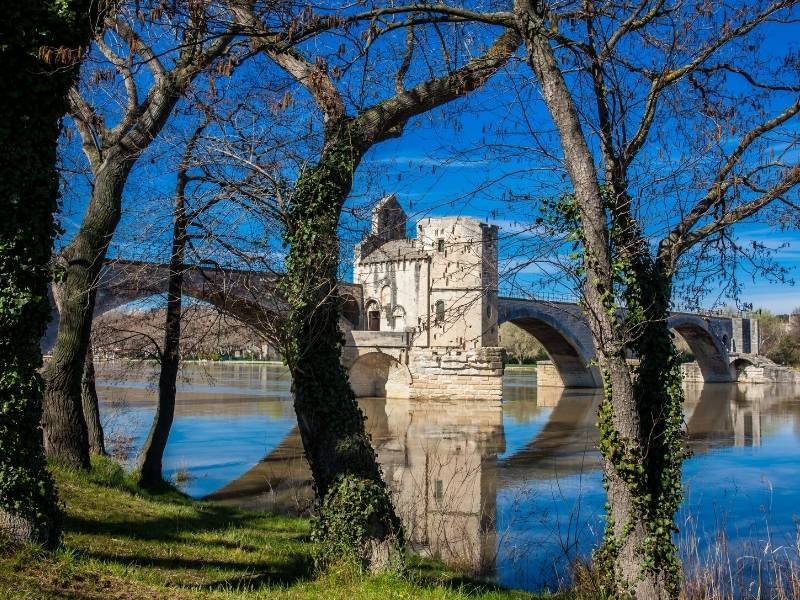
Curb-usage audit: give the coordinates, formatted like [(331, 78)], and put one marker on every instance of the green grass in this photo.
[(121, 542)]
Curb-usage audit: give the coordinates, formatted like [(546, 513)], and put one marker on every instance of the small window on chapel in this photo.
[(440, 245), (438, 493), (440, 311)]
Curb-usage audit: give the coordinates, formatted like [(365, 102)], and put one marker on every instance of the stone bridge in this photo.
[(246, 295), (723, 346), (421, 317)]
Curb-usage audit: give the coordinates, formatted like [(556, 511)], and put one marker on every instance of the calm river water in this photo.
[(512, 490)]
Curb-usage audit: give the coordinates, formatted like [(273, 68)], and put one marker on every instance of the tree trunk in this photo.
[(65, 433), (637, 558), (91, 410), (356, 517), (152, 453), (32, 103)]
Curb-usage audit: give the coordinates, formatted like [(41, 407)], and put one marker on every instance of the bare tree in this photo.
[(343, 464), (204, 184), (620, 82), (152, 452), (126, 47)]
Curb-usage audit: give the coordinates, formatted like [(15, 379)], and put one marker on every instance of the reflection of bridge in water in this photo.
[(447, 462)]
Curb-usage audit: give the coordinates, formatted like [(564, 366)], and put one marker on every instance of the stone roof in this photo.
[(395, 250)]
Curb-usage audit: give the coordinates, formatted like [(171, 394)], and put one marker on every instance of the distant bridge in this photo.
[(722, 345)]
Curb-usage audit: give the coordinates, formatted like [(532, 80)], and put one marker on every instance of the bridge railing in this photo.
[(538, 296), (521, 294)]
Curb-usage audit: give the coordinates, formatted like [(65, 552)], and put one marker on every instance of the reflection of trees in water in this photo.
[(738, 414), (208, 389), (441, 459), (521, 411)]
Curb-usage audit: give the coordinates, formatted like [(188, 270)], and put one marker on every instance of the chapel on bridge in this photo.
[(439, 286)]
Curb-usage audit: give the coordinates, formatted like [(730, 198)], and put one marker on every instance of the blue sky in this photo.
[(430, 181), (451, 162)]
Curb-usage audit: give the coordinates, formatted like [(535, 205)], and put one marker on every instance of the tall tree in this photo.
[(152, 453), (43, 43), (652, 101), (355, 511), (112, 153)]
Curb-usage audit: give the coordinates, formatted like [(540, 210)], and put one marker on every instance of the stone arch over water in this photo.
[(564, 336), (377, 374), (739, 365), (709, 350)]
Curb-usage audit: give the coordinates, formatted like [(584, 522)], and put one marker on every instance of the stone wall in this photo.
[(548, 375), (447, 374), (691, 373), (768, 373)]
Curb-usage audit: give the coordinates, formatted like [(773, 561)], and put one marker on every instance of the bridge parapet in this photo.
[(378, 339)]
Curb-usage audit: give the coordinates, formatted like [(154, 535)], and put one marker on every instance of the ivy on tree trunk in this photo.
[(643, 449), (356, 518), (626, 301), (42, 44)]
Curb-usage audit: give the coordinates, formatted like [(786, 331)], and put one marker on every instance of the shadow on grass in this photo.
[(434, 575), (253, 574), (161, 528)]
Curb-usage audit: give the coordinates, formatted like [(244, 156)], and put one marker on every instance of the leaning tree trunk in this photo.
[(32, 101), (65, 433), (637, 558), (91, 409), (356, 518), (152, 453)]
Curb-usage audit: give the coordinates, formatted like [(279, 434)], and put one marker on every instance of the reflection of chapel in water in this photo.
[(440, 459), (446, 462)]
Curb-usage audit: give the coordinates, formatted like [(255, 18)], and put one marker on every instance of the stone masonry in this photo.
[(457, 374)]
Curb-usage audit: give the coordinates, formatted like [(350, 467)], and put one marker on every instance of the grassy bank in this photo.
[(122, 543)]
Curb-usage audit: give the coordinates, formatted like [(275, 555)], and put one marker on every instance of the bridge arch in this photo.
[(377, 374), (710, 352), (563, 337), (739, 365)]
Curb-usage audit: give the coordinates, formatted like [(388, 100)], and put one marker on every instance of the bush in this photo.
[(786, 352)]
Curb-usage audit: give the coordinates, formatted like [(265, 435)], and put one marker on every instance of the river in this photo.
[(511, 490)]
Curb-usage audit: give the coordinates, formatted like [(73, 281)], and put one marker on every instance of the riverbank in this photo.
[(121, 542)]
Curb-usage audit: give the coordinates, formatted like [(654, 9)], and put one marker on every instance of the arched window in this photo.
[(399, 318), (386, 295), (439, 311)]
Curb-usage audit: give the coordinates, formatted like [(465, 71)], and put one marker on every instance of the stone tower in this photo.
[(389, 223), (440, 287), (388, 220), (463, 281)]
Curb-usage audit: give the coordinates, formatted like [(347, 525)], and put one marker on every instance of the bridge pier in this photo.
[(549, 375), (440, 374)]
